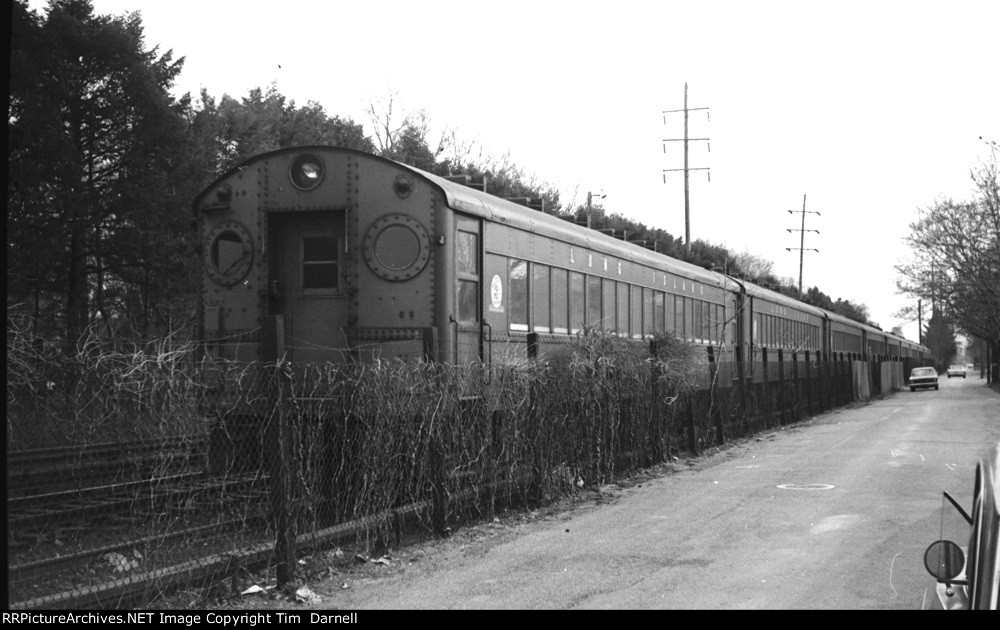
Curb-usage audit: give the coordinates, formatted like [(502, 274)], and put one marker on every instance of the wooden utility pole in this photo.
[(802, 240), (933, 289), (920, 322), (686, 169), (590, 198)]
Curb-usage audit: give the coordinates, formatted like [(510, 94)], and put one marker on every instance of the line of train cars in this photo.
[(329, 254)]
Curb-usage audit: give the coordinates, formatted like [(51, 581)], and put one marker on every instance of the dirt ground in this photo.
[(324, 573)]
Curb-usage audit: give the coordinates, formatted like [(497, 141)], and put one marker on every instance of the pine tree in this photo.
[(94, 137), (940, 338)]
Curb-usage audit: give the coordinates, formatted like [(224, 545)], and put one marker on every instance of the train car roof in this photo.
[(779, 298), (495, 209), (785, 300), (837, 317), (486, 206)]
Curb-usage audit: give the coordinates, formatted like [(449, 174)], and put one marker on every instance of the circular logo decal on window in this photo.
[(397, 247), (496, 293)]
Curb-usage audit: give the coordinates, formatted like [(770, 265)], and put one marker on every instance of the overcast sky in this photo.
[(871, 109)]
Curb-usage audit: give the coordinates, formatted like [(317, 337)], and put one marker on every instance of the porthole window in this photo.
[(306, 171), (397, 247), (229, 253)]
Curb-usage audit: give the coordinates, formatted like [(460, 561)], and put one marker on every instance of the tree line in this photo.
[(955, 268), (104, 162)]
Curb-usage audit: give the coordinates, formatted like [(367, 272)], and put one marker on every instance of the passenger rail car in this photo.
[(318, 254)]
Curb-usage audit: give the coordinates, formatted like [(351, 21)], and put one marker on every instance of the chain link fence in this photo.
[(134, 473)]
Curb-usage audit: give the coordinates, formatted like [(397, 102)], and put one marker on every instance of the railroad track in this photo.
[(39, 456), (132, 499), (56, 536), (188, 535), (52, 470)]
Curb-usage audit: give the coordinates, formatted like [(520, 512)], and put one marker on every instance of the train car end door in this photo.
[(306, 286)]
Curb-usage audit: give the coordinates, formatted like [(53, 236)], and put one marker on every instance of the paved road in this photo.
[(732, 531)]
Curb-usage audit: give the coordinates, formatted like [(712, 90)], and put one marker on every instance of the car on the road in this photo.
[(923, 377), (956, 370), (969, 577)]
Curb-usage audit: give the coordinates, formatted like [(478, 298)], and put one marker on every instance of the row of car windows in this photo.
[(846, 342), (771, 331), (547, 299)]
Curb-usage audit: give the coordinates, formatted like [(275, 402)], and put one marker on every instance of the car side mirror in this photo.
[(944, 560)]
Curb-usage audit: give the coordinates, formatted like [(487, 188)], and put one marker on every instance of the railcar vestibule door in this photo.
[(306, 290), (468, 291)]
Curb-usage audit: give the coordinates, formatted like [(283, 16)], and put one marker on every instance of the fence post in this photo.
[(282, 475), (691, 430), (765, 389), (740, 385), (429, 339), (866, 362), (713, 373), (882, 360), (835, 392), (809, 398), (876, 380), (655, 449), (439, 496), (824, 395), (838, 391), (881, 373), (796, 387), (831, 380), (535, 492), (781, 384), (821, 372), (851, 394), (845, 378), (857, 373)]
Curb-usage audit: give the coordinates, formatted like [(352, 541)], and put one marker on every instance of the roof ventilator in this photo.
[(619, 234), (530, 202), (650, 245), (478, 183)]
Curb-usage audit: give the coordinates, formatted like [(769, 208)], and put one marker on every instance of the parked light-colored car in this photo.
[(923, 377), (956, 370)]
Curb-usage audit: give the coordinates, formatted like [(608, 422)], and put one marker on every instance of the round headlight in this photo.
[(306, 172)]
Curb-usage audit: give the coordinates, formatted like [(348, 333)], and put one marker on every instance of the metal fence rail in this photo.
[(145, 475)]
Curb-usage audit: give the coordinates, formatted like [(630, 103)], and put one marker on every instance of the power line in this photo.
[(802, 237), (686, 169)]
